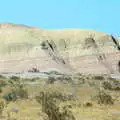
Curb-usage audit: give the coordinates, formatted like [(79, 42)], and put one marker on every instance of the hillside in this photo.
[(68, 50)]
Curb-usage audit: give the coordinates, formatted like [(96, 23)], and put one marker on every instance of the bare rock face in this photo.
[(69, 50)]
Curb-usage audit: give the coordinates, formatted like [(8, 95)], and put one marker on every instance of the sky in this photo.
[(100, 15)]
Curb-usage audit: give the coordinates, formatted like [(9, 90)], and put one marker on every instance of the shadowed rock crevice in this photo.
[(119, 66), (51, 49), (115, 41)]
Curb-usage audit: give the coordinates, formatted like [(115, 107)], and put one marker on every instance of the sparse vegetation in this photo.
[(14, 78), (0, 90), (111, 84), (2, 106), (50, 105), (3, 83), (1, 76), (104, 98), (15, 94), (65, 97), (17, 90), (62, 101), (54, 72), (99, 77), (107, 85)]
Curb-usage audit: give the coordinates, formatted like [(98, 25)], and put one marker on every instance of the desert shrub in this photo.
[(53, 95), (14, 94), (17, 90), (107, 85), (22, 93), (16, 82), (63, 77), (98, 77), (11, 96), (51, 80), (67, 77), (50, 105), (34, 79), (111, 85), (116, 84), (78, 74), (52, 99), (3, 83), (1, 76), (0, 89), (104, 98), (2, 106), (80, 77), (14, 78)]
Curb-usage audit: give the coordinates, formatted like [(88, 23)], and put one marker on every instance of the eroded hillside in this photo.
[(23, 47)]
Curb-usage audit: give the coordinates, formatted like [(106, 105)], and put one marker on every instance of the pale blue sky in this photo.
[(101, 15)]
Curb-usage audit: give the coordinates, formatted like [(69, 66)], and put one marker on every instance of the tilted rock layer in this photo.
[(68, 50)]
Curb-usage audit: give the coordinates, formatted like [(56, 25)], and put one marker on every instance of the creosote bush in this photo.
[(107, 85), (3, 83), (50, 105), (15, 94), (104, 98), (111, 84), (99, 77), (2, 106), (50, 101), (14, 78), (17, 90)]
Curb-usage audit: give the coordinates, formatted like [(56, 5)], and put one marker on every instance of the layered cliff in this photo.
[(68, 50)]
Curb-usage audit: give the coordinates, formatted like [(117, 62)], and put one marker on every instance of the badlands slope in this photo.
[(68, 50)]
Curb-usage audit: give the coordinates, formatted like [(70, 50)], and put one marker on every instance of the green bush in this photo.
[(18, 90), (14, 94), (11, 96)]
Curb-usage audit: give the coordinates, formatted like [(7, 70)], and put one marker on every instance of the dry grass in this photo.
[(62, 101)]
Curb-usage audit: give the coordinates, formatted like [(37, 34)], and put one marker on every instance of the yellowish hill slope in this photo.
[(68, 50)]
